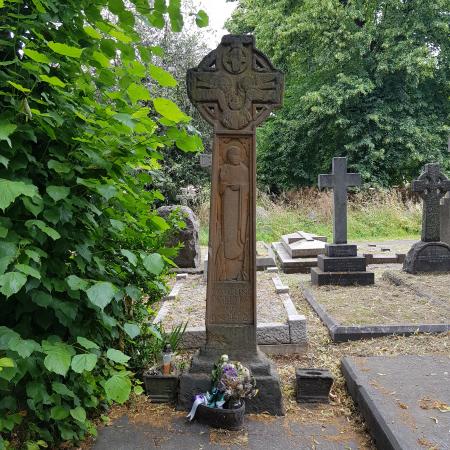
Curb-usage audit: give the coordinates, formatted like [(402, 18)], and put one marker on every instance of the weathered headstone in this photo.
[(187, 195), (445, 219), (189, 255), (235, 87), (341, 264), (430, 254)]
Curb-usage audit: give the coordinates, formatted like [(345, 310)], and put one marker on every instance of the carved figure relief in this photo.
[(233, 214)]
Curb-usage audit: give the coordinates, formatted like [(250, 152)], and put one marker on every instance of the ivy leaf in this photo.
[(64, 49), (59, 356), (87, 344), (117, 356), (202, 19), (86, 361), (76, 284), (11, 283), (169, 110), (6, 129), (78, 414), (137, 92), (10, 190), (36, 56), (132, 330), (28, 270), (132, 258), (118, 388), (101, 293), (58, 193), (153, 263), (163, 77), (59, 413)]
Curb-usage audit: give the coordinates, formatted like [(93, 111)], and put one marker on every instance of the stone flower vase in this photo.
[(227, 419)]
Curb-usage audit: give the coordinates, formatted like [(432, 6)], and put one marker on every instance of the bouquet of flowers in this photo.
[(232, 382)]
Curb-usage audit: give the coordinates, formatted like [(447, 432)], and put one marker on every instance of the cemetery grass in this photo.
[(372, 215)]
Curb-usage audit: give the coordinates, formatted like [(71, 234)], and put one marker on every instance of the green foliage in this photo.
[(364, 79), (81, 246)]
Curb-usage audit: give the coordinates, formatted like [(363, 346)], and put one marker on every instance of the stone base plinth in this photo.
[(198, 380), (341, 264), (428, 257), (321, 278)]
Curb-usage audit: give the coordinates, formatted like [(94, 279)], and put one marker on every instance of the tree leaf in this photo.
[(19, 87), (54, 81), (87, 344), (101, 59), (62, 389), (24, 347), (153, 263), (59, 413), (10, 190), (118, 388), (44, 228), (117, 356), (132, 330), (76, 284), (64, 49), (28, 270), (168, 109), (58, 166), (101, 293), (58, 193), (86, 361), (137, 92), (163, 77), (59, 356), (6, 129), (132, 258), (93, 33), (202, 19), (11, 283), (78, 413), (6, 362), (36, 56)]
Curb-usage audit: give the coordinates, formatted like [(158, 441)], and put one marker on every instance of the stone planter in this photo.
[(313, 385), (161, 388), (228, 419)]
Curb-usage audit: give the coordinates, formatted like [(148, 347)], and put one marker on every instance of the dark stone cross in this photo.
[(235, 87), (339, 180), (431, 185)]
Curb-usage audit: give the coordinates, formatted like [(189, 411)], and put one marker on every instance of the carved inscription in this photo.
[(232, 303)]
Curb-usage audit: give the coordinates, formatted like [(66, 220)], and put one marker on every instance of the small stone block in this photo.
[(321, 278), (385, 249), (273, 269), (400, 257), (280, 288), (369, 258), (372, 245), (340, 250), (313, 385), (341, 264), (182, 276)]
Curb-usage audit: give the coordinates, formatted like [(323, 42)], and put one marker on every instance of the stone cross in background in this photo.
[(187, 195), (430, 254), (235, 87), (339, 180), (431, 185)]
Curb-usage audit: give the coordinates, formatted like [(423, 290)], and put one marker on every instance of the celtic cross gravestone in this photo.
[(430, 254), (235, 87)]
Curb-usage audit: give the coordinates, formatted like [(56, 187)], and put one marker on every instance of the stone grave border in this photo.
[(272, 337), (344, 333)]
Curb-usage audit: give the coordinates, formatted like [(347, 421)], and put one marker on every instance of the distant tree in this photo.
[(364, 79)]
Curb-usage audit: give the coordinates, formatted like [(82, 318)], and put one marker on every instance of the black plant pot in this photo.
[(228, 419), (161, 388)]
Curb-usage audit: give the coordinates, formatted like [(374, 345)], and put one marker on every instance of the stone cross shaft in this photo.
[(339, 180), (431, 185), (235, 87)]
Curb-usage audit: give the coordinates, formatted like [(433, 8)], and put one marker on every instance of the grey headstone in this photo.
[(445, 219), (189, 255)]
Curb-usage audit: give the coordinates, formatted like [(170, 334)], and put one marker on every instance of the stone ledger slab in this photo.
[(398, 397), (292, 265)]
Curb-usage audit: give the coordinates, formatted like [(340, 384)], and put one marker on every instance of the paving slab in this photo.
[(404, 399), (259, 433)]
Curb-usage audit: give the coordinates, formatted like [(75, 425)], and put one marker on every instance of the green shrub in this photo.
[(80, 239)]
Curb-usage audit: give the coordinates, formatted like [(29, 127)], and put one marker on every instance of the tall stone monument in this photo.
[(430, 254), (235, 87), (341, 264)]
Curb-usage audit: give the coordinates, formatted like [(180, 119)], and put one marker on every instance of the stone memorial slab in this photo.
[(404, 399), (340, 265), (430, 254), (235, 87)]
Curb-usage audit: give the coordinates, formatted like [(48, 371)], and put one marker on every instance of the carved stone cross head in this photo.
[(235, 87), (431, 185)]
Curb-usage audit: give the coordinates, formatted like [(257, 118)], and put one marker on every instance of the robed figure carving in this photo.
[(234, 197)]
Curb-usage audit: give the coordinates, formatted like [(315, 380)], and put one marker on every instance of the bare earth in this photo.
[(190, 305)]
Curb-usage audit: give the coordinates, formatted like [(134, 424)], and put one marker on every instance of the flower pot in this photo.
[(161, 388), (228, 419)]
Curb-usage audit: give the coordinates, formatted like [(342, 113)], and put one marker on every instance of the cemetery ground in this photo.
[(141, 424)]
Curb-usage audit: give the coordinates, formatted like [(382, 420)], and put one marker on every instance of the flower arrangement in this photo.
[(231, 383)]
